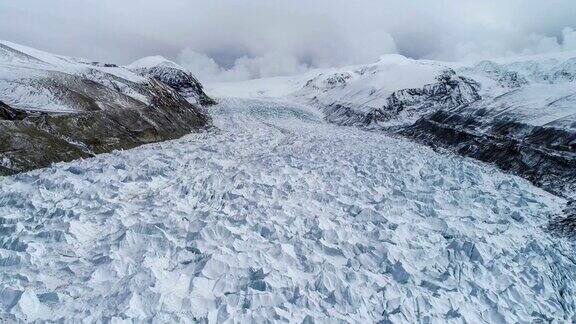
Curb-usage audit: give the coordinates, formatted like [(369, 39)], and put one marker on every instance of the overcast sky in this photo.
[(241, 39)]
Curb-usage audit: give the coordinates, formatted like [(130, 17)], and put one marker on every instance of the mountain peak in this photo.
[(154, 61), (393, 59), (172, 74)]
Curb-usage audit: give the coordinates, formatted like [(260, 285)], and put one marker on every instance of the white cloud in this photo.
[(569, 39), (203, 66), (235, 39), (267, 65)]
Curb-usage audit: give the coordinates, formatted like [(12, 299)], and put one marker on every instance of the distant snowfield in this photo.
[(538, 90), (390, 73), (277, 215)]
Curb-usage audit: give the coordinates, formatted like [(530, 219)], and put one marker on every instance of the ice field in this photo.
[(275, 215)]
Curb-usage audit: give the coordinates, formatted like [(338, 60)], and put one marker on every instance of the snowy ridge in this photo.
[(54, 108), (153, 61), (391, 79), (33, 80), (280, 216), (373, 89), (357, 95), (173, 75), (19, 54)]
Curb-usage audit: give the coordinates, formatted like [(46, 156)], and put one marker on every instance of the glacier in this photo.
[(275, 214)]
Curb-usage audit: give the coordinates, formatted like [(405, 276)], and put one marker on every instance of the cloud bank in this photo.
[(243, 39)]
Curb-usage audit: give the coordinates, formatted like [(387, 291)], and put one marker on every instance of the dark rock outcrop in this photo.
[(565, 225), (545, 156), (180, 80), (9, 113)]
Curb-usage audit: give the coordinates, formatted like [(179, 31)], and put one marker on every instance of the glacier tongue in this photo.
[(278, 215)]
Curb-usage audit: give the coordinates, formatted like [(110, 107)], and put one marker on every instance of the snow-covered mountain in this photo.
[(524, 121), (519, 113), (173, 75), (393, 89), (56, 108)]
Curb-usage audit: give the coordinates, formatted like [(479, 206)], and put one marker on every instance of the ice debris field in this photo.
[(275, 215)]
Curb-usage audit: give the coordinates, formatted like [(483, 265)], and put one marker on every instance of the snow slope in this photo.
[(279, 216), (37, 81), (537, 91), (54, 108), (388, 74), (33, 80)]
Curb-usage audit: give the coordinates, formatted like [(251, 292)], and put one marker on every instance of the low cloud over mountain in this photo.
[(231, 40)]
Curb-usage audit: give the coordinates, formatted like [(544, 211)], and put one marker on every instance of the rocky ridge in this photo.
[(175, 76)]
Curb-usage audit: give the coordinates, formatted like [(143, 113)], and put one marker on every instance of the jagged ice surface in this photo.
[(280, 216)]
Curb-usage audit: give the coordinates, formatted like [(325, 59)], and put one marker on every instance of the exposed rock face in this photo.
[(9, 113), (345, 115), (565, 72), (565, 225), (449, 91), (58, 109), (331, 82), (175, 76), (545, 156)]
